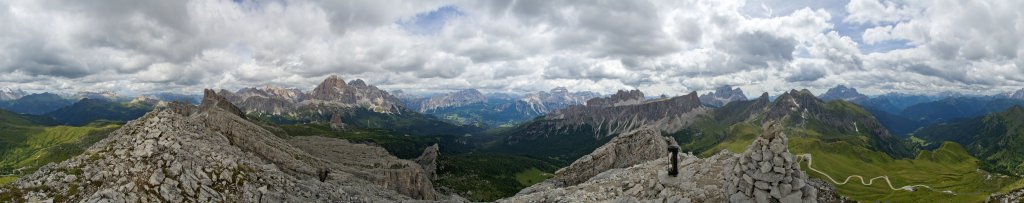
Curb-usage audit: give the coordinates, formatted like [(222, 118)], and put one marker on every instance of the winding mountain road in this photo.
[(871, 181)]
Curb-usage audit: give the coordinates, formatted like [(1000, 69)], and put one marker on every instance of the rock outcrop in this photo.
[(767, 172), (182, 153), (428, 160), (699, 180), (622, 151), (722, 96)]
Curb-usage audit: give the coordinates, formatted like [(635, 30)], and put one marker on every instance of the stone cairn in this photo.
[(767, 172)]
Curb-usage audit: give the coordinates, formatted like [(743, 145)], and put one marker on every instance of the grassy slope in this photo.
[(24, 144), (532, 176)]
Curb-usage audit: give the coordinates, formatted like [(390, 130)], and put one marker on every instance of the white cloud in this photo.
[(662, 47)]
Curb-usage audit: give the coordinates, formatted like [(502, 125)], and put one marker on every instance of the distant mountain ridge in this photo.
[(452, 99), (36, 104), (340, 104), (333, 91), (841, 92), (471, 107), (558, 98), (11, 94), (722, 96)]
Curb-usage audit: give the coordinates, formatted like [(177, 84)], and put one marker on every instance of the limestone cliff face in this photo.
[(668, 115), (623, 151), (767, 172), (182, 153)]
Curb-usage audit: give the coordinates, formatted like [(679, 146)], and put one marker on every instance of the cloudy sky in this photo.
[(661, 47)]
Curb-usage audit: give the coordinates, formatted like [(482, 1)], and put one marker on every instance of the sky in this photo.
[(667, 47)]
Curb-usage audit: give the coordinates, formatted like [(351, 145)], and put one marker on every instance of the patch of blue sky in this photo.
[(430, 23)]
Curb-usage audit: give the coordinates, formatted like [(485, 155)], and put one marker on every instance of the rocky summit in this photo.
[(184, 153), (722, 96), (767, 172)]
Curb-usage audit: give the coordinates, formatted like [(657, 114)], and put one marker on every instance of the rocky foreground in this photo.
[(711, 179), (211, 153)]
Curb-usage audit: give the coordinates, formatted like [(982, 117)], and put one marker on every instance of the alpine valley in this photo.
[(351, 141)]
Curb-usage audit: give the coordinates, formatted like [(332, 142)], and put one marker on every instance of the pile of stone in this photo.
[(767, 172)]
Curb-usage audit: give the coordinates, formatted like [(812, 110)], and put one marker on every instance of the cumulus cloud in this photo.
[(660, 46)]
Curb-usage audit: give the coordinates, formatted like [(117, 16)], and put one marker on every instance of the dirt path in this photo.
[(871, 181)]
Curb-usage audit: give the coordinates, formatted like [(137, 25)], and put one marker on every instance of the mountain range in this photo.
[(471, 107), (353, 140), (341, 105)]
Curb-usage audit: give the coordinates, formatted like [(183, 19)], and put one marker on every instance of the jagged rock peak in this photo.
[(357, 83), (428, 160), (620, 98), (722, 96), (841, 92), (332, 81), (212, 100), (767, 172)]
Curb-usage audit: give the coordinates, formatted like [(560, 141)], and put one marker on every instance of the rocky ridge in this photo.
[(620, 98), (668, 115), (558, 98), (767, 172), (622, 151), (333, 91), (722, 96), (803, 110), (210, 153)]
